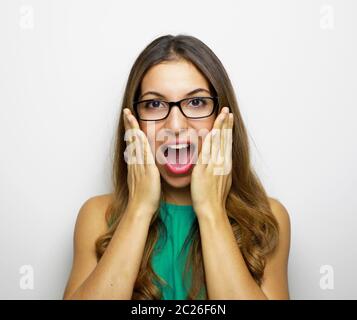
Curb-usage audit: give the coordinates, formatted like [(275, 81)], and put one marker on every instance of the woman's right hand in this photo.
[(143, 175)]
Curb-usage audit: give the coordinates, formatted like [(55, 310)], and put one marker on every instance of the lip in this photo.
[(172, 168), (182, 170)]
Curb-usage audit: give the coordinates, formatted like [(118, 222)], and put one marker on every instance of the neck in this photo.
[(179, 196)]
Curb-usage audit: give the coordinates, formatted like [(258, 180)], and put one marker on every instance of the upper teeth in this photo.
[(178, 146)]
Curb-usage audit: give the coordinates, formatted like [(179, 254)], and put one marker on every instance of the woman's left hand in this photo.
[(211, 177)]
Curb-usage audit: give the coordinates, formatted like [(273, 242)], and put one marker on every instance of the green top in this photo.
[(167, 262)]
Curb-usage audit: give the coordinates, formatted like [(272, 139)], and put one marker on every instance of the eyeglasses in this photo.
[(192, 108)]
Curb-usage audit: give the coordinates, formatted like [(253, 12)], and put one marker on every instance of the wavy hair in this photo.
[(255, 228)]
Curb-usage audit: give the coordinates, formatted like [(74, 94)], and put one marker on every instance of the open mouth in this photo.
[(179, 157), (178, 153)]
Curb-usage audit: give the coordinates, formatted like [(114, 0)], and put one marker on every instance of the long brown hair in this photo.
[(255, 228)]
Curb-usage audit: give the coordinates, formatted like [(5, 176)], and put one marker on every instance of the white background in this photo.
[(63, 68)]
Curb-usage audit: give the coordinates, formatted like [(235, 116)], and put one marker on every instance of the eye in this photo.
[(197, 102), (154, 104)]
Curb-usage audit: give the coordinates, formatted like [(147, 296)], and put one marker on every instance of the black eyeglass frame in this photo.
[(178, 104)]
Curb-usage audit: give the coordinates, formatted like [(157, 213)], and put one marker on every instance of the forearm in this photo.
[(227, 275), (116, 272)]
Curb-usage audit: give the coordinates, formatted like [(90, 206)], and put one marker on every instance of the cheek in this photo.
[(151, 131), (203, 124), (202, 128)]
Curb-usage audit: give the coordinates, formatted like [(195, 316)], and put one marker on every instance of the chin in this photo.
[(177, 181)]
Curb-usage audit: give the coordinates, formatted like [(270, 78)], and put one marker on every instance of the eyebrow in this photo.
[(187, 94)]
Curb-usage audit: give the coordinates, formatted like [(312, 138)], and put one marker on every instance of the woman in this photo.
[(188, 217)]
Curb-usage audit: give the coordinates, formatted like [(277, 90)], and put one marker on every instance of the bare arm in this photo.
[(113, 277), (226, 271)]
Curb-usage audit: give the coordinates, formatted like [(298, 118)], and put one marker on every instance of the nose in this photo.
[(176, 121)]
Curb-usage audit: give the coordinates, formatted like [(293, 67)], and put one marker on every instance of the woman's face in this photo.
[(173, 81)]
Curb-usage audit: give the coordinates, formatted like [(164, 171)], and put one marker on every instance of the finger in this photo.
[(132, 120), (139, 148), (230, 133), (205, 153), (217, 123), (129, 154), (228, 144), (132, 129), (127, 125), (125, 113), (223, 141), (134, 125), (216, 135), (148, 156)]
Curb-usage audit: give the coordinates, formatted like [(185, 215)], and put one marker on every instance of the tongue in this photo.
[(178, 157)]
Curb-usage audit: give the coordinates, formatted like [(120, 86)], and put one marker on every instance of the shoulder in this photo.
[(282, 216), (91, 221), (97, 203), (280, 213), (90, 224), (275, 281)]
